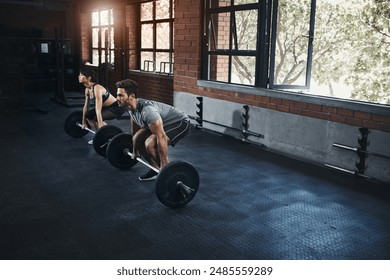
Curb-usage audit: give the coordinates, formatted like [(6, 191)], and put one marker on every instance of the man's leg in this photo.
[(152, 151), (141, 139)]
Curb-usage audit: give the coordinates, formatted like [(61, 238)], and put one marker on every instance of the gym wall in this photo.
[(298, 126), (298, 136)]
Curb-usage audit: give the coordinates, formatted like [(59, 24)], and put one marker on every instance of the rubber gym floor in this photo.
[(61, 200)]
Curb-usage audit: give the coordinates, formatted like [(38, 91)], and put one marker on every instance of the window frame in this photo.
[(101, 47), (265, 52), (262, 47), (154, 50)]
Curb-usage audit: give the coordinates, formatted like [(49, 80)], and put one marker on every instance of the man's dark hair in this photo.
[(129, 86)]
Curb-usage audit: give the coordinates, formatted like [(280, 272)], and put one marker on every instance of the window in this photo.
[(232, 41), (292, 44), (324, 47), (157, 36), (102, 37)]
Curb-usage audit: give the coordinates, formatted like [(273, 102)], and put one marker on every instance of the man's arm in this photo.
[(162, 141)]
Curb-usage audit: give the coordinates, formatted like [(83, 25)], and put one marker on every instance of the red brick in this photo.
[(337, 118), (266, 99), (385, 127), (314, 107), (362, 115), (371, 124), (381, 118), (309, 113), (327, 109), (295, 111), (272, 106), (323, 116), (344, 112), (353, 121), (300, 105), (288, 103), (283, 108), (276, 100)]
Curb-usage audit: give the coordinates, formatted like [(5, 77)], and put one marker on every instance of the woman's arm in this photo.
[(99, 91), (85, 107)]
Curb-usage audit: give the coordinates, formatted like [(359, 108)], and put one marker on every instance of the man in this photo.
[(154, 125)]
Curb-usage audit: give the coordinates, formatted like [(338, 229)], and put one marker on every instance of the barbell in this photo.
[(177, 182), (73, 127)]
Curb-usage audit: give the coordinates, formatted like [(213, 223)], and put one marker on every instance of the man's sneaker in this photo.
[(150, 175), (90, 142)]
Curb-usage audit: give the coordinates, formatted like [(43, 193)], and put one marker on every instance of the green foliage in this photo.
[(351, 45)]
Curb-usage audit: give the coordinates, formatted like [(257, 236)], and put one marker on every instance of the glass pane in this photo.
[(111, 16), (112, 57), (147, 11), (147, 63), (95, 18), (103, 58), (246, 28), (104, 20), (162, 62), (162, 35), (147, 36), (95, 37), (104, 37), (347, 43), (95, 57), (220, 27), (219, 3), (219, 68), (243, 70), (162, 9), (240, 2), (112, 45), (292, 42)]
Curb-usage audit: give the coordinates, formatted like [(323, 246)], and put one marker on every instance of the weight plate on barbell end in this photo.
[(115, 151), (71, 127), (167, 190), (103, 136)]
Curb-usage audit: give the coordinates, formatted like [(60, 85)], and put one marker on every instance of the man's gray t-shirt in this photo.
[(148, 111)]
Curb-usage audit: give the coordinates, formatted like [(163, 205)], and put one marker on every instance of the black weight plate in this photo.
[(115, 151), (167, 191), (103, 136), (71, 127)]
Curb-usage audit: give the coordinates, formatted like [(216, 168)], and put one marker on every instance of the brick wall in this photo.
[(154, 87), (188, 40), (85, 23)]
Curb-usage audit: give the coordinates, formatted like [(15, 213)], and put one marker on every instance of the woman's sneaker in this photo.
[(150, 175), (90, 142)]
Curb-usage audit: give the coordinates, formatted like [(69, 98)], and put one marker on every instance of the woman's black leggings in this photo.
[(108, 113)]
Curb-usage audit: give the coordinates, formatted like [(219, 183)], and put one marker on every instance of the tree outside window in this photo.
[(350, 46)]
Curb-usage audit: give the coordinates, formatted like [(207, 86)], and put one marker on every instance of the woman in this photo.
[(106, 105)]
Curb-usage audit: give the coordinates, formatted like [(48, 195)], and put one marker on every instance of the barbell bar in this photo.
[(180, 184), (86, 128), (358, 150), (177, 182)]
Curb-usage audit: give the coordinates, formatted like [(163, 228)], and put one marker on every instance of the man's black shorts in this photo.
[(177, 131)]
